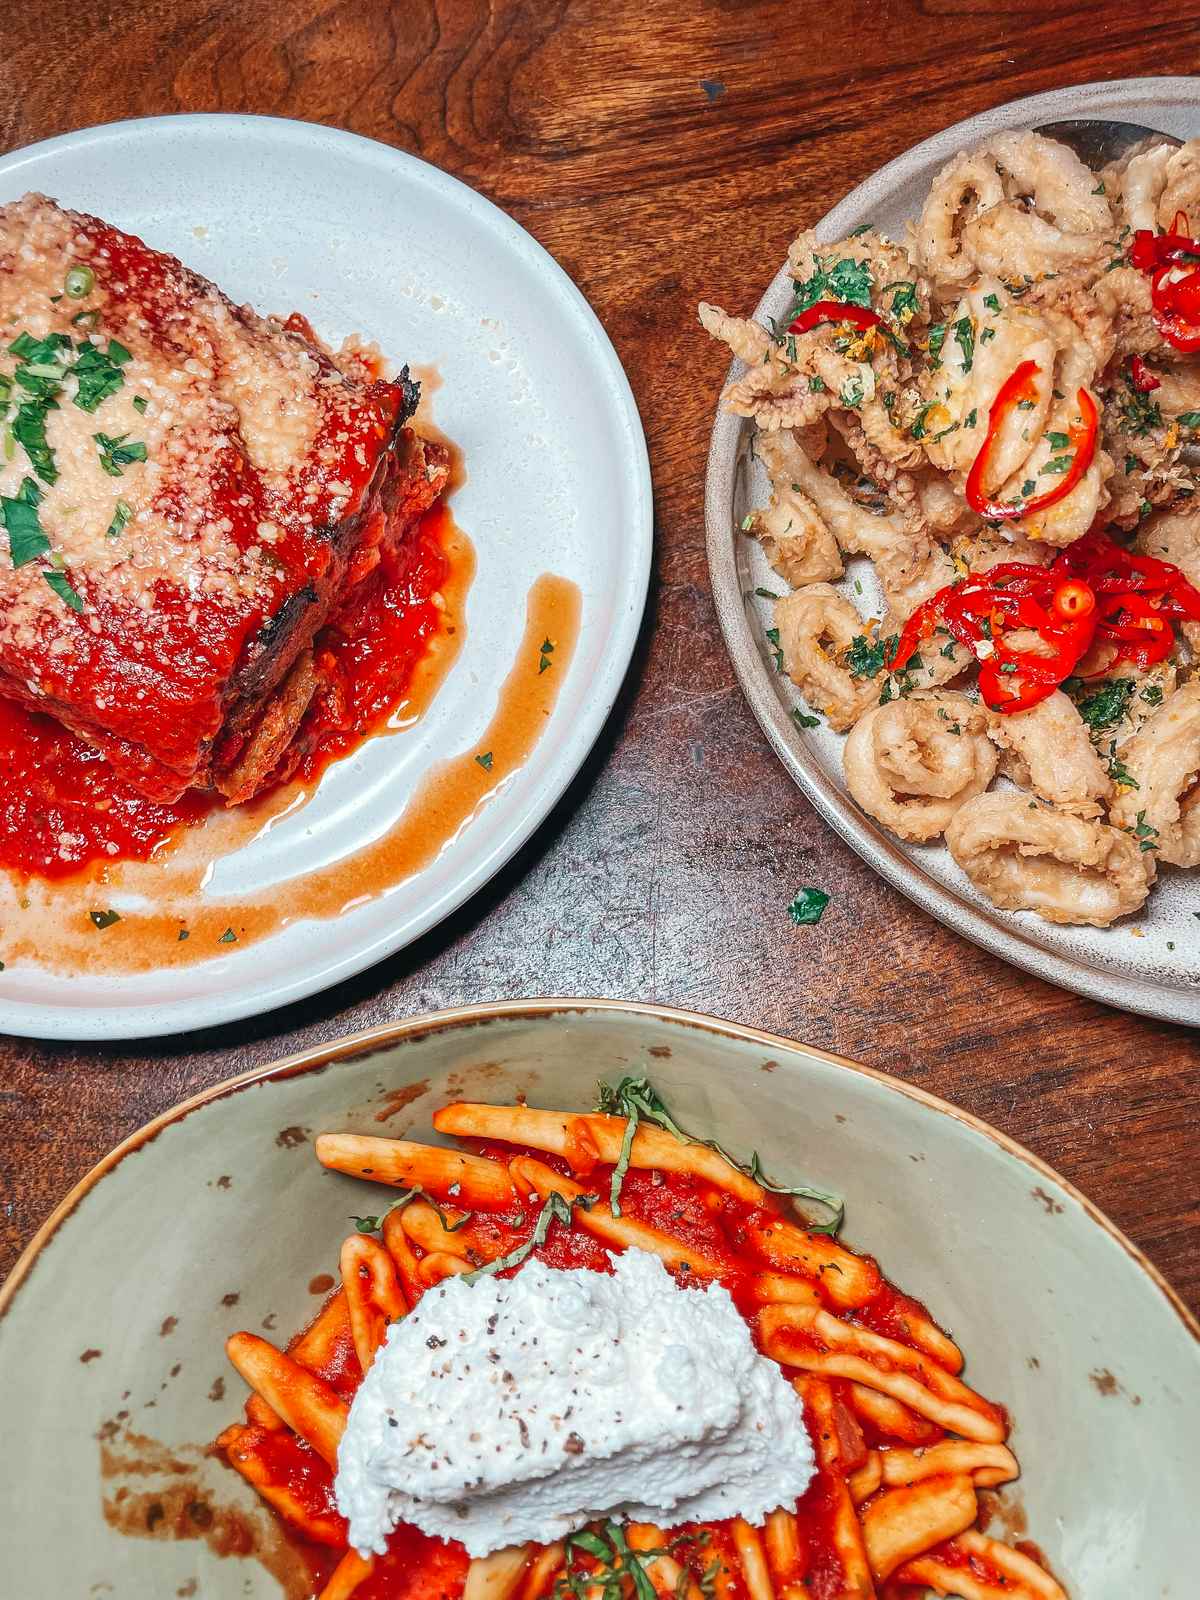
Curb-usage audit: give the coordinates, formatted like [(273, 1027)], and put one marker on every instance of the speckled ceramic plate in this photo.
[(1149, 963), (366, 239), (217, 1217)]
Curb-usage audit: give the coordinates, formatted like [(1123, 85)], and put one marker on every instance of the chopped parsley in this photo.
[(905, 304), (853, 392), (807, 909), (816, 385), (1058, 441), (1152, 694), (992, 302), (140, 403), (228, 937), (1189, 419), (964, 337), (116, 455), (937, 338), (1108, 706), (848, 282), (1139, 414), (803, 720), (1144, 833), (768, 594), (777, 653), (971, 418), (485, 760), (1120, 773), (104, 919), (544, 661), (866, 657), (1059, 464)]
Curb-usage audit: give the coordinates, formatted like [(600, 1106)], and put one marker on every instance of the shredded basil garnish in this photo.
[(636, 1099), (406, 1198)]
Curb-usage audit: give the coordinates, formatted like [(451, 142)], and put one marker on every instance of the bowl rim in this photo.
[(347, 1046)]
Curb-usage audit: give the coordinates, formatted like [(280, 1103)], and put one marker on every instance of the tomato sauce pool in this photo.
[(63, 808)]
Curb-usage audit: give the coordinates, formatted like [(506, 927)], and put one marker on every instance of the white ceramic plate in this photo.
[(217, 1217), (1146, 963), (362, 238)]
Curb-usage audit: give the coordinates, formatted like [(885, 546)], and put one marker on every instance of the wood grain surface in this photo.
[(663, 152)]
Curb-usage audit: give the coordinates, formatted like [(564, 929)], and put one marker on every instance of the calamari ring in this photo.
[(1028, 856), (1164, 759), (911, 764)]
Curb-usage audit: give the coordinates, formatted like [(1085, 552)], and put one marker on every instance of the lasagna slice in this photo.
[(188, 491)]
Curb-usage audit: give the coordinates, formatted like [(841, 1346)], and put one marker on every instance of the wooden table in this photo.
[(663, 150)]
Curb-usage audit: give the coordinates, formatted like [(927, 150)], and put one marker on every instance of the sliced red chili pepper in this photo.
[(1108, 568), (1175, 301), (833, 311), (985, 607), (1141, 377), (1081, 438), (1073, 600)]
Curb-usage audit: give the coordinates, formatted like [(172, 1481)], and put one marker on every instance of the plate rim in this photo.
[(146, 1020), (319, 1057), (997, 934)]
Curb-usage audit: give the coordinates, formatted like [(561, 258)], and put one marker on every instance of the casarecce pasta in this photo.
[(995, 413), (902, 1443)]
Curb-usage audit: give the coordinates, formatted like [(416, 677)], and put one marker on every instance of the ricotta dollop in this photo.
[(507, 1410)]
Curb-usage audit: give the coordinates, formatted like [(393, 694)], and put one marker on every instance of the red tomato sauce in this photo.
[(417, 1567), (62, 806)]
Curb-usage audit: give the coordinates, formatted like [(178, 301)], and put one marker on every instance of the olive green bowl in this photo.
[(217, 1217)]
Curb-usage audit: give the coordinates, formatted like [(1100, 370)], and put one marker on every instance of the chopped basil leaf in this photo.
[(121, 515), (60, 584), (863, 227), (98, 374), (29, 430), (115, 454), (26, 540)]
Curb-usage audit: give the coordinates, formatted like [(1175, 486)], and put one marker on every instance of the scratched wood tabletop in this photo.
[(663, 151)]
